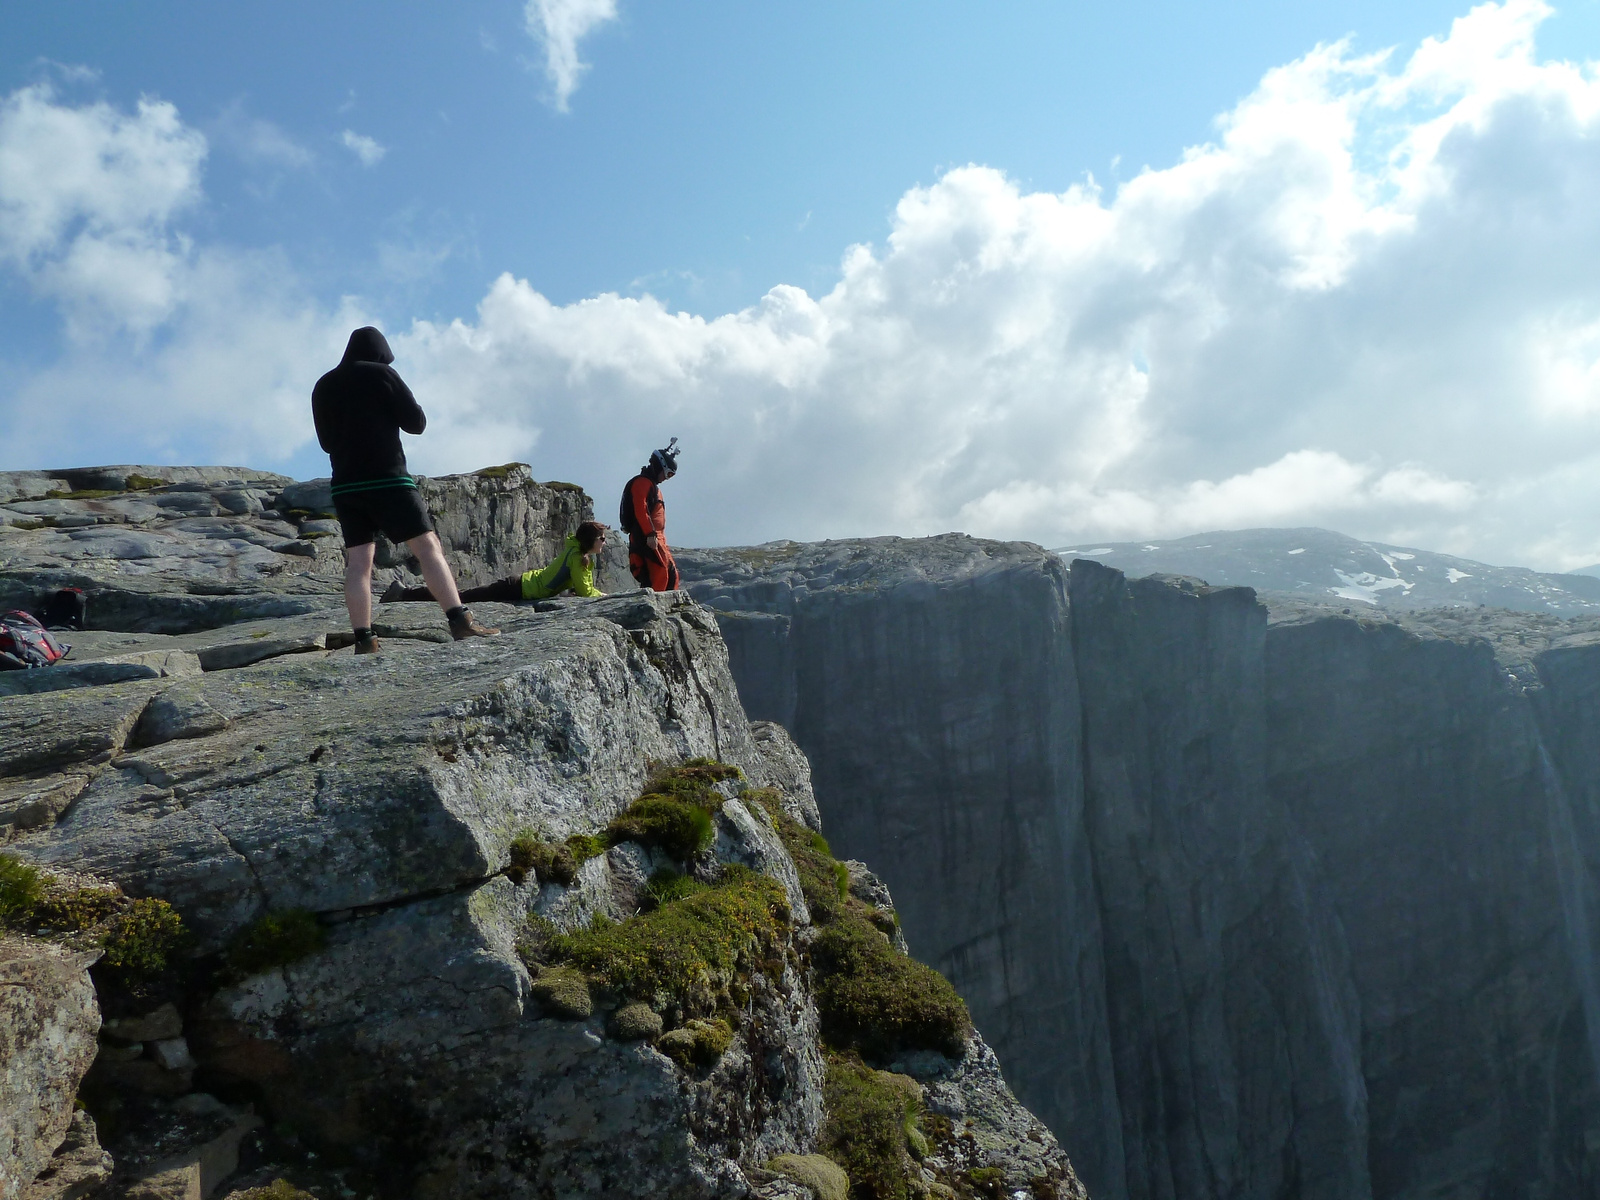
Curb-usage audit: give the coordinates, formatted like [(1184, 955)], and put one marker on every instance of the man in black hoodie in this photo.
[(360, 407)]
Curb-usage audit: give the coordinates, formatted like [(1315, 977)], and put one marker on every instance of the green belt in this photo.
[(367, 485)]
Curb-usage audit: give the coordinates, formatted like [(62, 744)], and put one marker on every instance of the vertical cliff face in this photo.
[(932, 686), (1234, 1026), (1445, 840), (1324, 886)]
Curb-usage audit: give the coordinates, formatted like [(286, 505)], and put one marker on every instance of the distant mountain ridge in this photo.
[(1333, 567)]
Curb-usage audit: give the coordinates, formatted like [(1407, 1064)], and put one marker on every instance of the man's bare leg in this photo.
[(436, 573), (358, 585), (441, 582)]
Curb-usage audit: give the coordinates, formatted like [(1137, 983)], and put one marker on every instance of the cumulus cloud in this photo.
[(559, 25), (367, 150), (1368, 303), (87, 197)]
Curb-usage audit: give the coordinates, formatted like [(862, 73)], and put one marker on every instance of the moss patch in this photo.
[(82, 494), (551, 861), (876, 1000), (823, 1176), (872, 998), (679, 827), (21, 889), (686, 956), (563, 992), (501, 471), (275, 940), (870, 1118), (143, 483), (698, 1044)]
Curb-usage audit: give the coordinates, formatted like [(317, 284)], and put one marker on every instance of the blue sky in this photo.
[(303, 166)]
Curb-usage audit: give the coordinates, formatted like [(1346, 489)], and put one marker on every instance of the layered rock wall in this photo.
[(1337, 935)]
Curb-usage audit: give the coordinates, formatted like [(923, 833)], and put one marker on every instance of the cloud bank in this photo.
[(1368, 303)]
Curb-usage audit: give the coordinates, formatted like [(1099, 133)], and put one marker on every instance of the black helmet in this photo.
[(666, 459)]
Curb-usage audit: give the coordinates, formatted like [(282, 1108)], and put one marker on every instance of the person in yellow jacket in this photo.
[(572, 572)]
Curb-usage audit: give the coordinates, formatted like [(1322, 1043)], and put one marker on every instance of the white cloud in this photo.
[(559, 25), (87, 197), (366, 149), (1369, 303)]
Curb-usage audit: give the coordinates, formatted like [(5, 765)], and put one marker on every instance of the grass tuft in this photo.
[(21, 890), (665, 887)]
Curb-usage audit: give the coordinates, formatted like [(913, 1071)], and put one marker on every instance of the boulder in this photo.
[(49, 1019)]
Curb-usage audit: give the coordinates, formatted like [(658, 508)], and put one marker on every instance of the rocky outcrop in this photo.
[(182, 549), (48, 1022), (1323, 886), (384, 800)]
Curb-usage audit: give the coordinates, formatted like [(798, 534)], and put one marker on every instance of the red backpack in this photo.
[(26, 643)]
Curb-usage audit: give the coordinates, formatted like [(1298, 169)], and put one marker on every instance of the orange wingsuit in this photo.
[(644, 513)]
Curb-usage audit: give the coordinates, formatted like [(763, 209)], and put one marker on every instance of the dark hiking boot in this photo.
[(464, 625), (368, 643)]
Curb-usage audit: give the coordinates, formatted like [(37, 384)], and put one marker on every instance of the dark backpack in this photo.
[(25, 643), (66, 609)]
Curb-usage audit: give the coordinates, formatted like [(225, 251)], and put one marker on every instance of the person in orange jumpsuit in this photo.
[(644, 516)]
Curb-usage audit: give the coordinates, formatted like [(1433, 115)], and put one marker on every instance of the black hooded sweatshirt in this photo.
[(360, 407)]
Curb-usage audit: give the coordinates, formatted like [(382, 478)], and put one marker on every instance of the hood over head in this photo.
[(367, 345)]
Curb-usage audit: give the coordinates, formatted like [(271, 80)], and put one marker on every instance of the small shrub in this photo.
[(74, 910), (679, 827), (666, 887), (688, 953), (876, 1000), (275, 940), (143, 940), (21, 889), (865, 1132)]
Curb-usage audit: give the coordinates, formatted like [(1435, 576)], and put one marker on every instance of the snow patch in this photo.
[(1455, 576), (1301, 550), (1366, 587)]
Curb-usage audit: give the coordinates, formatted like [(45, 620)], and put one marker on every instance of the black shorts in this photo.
[(398, 511)]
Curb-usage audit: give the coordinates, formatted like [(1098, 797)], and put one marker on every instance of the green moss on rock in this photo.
[(636, 1022), (666, 887), (680, 827), (275, 940), (563, 992), (688, 954), (503, 470), (876, 1000), (826, 1178), (867, 1130), (698, 1044)]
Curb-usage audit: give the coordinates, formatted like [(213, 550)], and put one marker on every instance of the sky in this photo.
[(1049, 271)]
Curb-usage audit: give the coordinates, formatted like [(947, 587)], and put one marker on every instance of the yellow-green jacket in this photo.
[(571, 572)]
